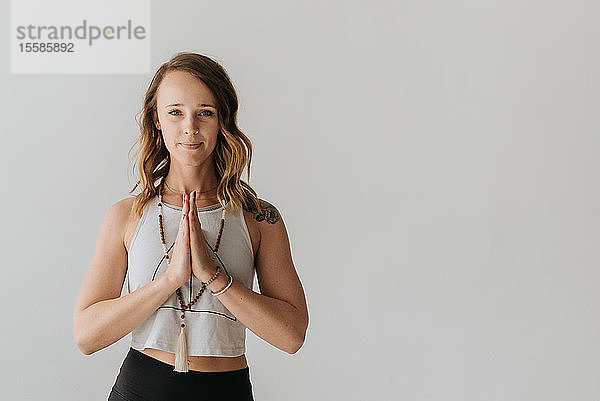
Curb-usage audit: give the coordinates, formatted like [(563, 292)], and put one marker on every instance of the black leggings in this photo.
[(142, 377)]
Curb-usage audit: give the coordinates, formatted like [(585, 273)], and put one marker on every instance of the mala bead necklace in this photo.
[(181, 362)]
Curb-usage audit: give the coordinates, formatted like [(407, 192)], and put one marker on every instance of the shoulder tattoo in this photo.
[(268, 213)]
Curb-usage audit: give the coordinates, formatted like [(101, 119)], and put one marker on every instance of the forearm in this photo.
[(106, 322), (275, 321)]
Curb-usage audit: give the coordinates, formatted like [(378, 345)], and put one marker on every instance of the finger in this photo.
[(196, 236), (185, 232), (182, 208), (186, 220), (193, 214), (196, 219), (182, 222), (195, 222), (191, 220)]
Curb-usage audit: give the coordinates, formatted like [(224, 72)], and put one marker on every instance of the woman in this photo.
[(190, 274)]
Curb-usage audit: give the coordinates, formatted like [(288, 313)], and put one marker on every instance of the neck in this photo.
[(185, 180)]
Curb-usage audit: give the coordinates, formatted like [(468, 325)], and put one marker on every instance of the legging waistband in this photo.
[(143, 377)]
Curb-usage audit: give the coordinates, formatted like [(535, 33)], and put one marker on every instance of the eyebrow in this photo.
[(202, 105)]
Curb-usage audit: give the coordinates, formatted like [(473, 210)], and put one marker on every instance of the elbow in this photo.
[(85, 347), (81, 339), (82, 344), (299, 338), (297, 344), (84, 351), (296, 347)]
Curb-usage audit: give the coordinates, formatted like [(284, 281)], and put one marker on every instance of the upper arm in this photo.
[(275, 269), (106, 274)]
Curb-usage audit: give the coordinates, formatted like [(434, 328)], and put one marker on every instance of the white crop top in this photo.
[(211, 330)]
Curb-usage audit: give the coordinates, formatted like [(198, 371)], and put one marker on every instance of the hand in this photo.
[(202, 263), (179, 269)]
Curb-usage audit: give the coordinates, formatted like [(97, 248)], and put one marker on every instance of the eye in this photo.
[(210, 113), (207, 115)]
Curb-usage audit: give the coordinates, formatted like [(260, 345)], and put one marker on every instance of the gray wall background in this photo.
[(436, 166)]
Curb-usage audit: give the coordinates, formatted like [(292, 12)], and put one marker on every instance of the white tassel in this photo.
[(181, 361)]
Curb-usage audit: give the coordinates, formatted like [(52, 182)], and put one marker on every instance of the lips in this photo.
[(191, 145)]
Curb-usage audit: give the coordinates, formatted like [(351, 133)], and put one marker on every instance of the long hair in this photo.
[(232, 153)]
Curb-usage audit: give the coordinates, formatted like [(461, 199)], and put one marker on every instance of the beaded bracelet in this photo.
[(224, 288), (213, 277)]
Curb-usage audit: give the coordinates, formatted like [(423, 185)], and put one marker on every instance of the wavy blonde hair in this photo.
[(232, 153)]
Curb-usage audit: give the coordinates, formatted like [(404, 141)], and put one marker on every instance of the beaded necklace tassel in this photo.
[(181, 361)]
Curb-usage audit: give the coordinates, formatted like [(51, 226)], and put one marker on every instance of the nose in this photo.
[(190, 126)]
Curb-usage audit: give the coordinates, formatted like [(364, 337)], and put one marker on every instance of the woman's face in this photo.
[(186, 113)]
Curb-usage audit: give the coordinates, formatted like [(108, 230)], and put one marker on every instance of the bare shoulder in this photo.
[(124, 206), (269, 213), (269, 224), (255, 220), (127, 219), (119, 213)]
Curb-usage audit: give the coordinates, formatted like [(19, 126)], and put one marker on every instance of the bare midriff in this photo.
[(201, 363)]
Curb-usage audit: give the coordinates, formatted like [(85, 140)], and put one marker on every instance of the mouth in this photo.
[(191, 145)]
